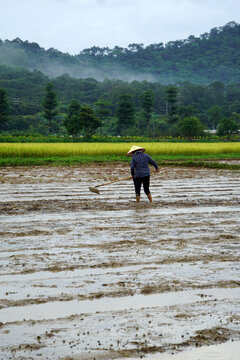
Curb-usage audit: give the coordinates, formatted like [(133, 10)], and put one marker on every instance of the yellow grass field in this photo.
[(39, 150)]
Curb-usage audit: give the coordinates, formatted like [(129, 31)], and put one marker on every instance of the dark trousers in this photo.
[(138, 181)]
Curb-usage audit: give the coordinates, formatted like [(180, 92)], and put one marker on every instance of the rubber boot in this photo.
[(149, 197), (138, 198)]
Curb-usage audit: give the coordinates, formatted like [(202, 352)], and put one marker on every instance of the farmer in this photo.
[(140, 170)]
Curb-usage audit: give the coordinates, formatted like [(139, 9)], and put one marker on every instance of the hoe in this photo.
[(95, 190)]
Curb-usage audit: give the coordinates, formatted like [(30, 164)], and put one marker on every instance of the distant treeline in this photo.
[(152, 108), (25, 90), (214, 56)]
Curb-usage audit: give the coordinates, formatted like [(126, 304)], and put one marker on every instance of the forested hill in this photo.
[(214, 56)]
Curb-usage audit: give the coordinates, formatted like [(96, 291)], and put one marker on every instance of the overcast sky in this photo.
[(73, 25)]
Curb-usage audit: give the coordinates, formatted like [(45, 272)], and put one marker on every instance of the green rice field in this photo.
[(68, 153), (96, 149)]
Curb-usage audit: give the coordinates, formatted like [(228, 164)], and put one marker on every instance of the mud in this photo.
[(86, 276)]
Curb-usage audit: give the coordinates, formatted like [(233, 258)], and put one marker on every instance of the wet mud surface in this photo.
[(88, 276)]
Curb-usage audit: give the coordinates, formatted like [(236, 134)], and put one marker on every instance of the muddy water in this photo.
[(226, 351), (87, 276)]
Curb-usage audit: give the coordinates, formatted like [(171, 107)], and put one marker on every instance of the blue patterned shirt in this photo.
[(139, 164)]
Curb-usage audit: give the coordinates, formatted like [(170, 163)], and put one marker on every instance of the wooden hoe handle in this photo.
[(111, 182)]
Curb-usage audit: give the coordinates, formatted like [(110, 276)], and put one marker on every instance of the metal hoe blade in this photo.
[(94, 190)]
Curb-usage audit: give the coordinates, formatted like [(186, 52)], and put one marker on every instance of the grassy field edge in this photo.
[(210, 161)]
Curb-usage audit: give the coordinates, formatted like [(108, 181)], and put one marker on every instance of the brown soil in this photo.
[(62, 243)]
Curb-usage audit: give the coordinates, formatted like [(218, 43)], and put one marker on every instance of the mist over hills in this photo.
[(214, 56)]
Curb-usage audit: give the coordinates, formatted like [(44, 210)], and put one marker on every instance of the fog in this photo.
[(11, 56), (80, 72)]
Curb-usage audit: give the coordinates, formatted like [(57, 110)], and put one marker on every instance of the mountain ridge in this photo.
[(214, 56)]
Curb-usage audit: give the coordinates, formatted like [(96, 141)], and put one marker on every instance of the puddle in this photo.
[(41, 275), (60, 309), (226, 351)]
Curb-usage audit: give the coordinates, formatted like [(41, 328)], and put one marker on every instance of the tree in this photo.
[(73, 108), (71, 121), (103, 110), (186, 111), (228, 126), (147, 101), (125, 112), (215, 113), (216, 92), (81, 119), (88, 121), (4, 108), (172, 101), (236, 118), (49, 105), (190, 127)]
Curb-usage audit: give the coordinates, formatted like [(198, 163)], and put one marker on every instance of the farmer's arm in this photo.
[(152, 162)]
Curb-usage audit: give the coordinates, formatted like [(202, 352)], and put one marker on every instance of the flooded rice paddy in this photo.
[(88, 276)]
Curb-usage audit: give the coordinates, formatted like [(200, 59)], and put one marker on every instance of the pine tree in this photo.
[(102, 110), (172, 101), (4, 108), (50, 105), (147, 101), (125, 112)]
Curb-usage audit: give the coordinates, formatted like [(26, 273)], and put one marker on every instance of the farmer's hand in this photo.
[(157, 170)]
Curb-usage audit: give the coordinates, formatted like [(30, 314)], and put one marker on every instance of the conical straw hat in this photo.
[(133, 149)]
